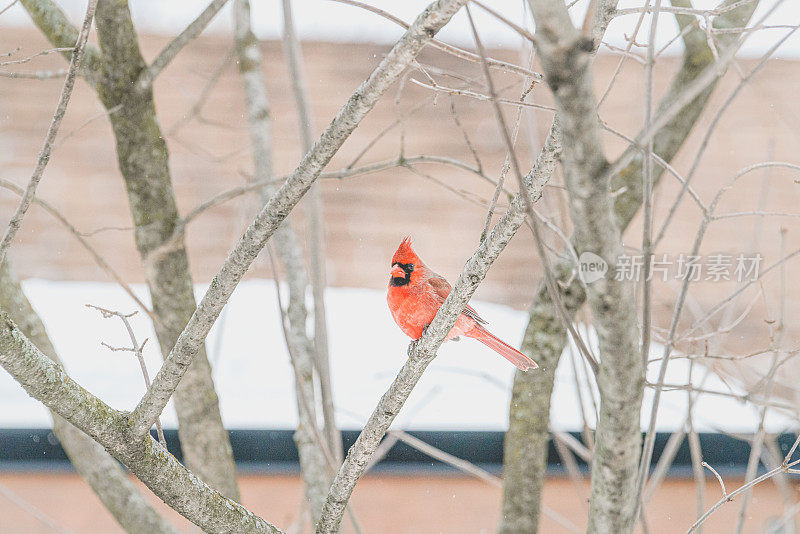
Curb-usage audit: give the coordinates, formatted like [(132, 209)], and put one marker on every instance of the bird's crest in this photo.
[(405, 253)]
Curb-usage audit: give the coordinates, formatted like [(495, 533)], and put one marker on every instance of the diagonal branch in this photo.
[(52, 131), (143, 161), (317, 474), (181, 489), (279, 206), (81, 238), (450, 49), (176, 45), (423, 351), (545, 337), (49, 18), (667, 113), (100, 470), (528, 203)]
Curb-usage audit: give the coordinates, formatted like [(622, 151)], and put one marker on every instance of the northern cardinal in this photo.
[(415, 295)]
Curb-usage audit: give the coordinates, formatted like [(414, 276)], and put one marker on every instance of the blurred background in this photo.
[(461, 405)]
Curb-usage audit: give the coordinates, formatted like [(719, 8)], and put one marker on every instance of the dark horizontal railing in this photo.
[(273, 451)]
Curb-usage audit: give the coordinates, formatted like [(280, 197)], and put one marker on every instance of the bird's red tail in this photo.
[(509, 353)]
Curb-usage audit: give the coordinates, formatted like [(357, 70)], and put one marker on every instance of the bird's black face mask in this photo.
[(398, 281)]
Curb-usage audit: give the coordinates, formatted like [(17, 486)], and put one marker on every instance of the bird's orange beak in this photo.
[(398, 272)]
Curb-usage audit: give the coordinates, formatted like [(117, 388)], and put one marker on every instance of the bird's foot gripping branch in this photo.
[(416, 293)]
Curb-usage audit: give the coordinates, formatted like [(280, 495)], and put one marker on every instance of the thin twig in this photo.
[(9, 6), (316, 237), (719, 478), (397, 122), (700, 83), (465, 135), (727, 497), (757, 441), (470, 468), (30, 58), (555, 295), (104, 113), (650, 435), (30, 509), (478, 96), (137, 349), (337, 175), (712, 128), (197, 108), (35, 75), (44, 155), (696, 453), (519, 29), (647, 220), (627, 50), (574, 473), (528, 87), (99, 260), (169, 52), (450, 49)]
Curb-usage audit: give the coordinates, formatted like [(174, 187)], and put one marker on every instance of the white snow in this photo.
[(467, 387), (327, 20)]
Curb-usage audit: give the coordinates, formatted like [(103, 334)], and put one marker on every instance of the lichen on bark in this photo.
[(143, 160), (102, 472), (526, 441)]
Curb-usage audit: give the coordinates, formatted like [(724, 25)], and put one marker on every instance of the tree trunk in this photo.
[(526, 441), (317, 474), (144, 164)]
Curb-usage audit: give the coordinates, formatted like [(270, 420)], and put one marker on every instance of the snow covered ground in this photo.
[(327, 20), (466, 388)]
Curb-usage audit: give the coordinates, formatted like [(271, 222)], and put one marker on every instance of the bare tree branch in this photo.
[(34, 56), (422, 352), (692, 90), (314, 466), (279, 206), (135, 348), (785, 467), (528, 203), (316, 236), (52, 131), (52, 21), (668, 346), (169, 52), (34, 75), (9, 6), (647, 192), (143, 157), (143, 160), (545, 336), (102, 472), (564, 54), (81, 238), (450, 49), (181, 489)]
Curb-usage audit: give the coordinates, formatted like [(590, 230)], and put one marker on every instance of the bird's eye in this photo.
[(410, 267)]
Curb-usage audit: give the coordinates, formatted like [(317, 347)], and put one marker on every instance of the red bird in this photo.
[(415, 295)]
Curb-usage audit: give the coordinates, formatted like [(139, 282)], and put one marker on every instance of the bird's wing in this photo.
[(470, 312), (442, 288)]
